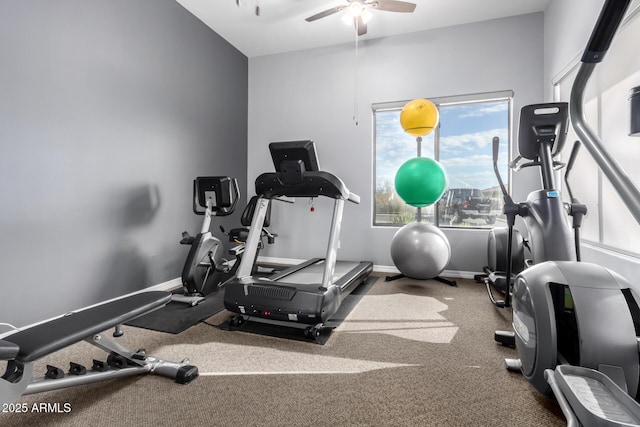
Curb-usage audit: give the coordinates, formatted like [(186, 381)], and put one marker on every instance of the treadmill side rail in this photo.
[(333, 244)]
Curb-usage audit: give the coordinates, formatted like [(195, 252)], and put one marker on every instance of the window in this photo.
[(462, 144)]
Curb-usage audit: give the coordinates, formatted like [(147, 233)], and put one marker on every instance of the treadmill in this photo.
[(308, 294)]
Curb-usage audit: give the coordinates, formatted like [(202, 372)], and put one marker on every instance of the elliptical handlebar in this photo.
[(510, 209), (517, 166), (576, 209), (513, 164), (503, 188), (572, 159), (608, 22)]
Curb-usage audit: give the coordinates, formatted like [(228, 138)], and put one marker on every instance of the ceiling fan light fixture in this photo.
[(363, 13), (355, 9)]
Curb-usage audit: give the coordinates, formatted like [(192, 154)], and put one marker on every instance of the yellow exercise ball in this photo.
[(419, 117)]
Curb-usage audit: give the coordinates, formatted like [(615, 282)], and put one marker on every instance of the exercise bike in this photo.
[(239, 235), (205, 269), (577, 324), (541, 138)]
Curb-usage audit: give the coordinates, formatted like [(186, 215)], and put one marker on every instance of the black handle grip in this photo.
[(608, 22), (496, 148), (572, 157)]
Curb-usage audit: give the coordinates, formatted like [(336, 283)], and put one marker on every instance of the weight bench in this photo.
[(21, 349)]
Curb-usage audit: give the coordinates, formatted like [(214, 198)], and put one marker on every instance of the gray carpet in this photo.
[(411, 353)]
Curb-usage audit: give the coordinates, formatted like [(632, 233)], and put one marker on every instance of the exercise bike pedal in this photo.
[(192, 299), (187, 239)]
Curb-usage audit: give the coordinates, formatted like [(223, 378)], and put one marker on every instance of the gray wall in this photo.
[(108, 110), (310, 94)]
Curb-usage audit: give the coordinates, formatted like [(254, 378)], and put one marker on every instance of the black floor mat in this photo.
[(293, 333), (176, 317)]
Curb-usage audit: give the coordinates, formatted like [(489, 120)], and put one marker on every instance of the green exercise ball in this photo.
[(420, 181)]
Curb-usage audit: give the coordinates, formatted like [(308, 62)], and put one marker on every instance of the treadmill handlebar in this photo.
[(311, 184)]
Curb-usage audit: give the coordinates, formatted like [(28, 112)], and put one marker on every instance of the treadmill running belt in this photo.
[(312, 274)]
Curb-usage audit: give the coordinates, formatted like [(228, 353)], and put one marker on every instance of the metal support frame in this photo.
[(253, 239), (624, 186), (333, 245), (19, 381)]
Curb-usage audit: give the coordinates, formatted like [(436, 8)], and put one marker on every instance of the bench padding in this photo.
[(51, 336), (8, 350)]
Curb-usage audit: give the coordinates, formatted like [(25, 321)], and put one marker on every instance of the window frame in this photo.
[(475, 98)]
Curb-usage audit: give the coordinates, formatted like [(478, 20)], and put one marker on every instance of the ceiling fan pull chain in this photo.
[(355, 83)]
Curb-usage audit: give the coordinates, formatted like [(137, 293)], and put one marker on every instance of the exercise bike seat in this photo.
[(240, 234), (51, 336)]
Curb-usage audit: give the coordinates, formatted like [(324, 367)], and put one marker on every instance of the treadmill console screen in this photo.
[(304, 151)]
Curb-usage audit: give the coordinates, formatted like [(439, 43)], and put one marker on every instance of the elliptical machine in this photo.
[(541, 138), (204, 269), (577, 325)]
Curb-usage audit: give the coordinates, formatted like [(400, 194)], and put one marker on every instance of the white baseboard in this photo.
[(164, 286), (376, 268)]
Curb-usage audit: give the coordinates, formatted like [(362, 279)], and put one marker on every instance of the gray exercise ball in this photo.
[(420, 250)]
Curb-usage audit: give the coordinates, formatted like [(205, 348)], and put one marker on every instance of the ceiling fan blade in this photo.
[(361, 26), (393, 6), (325, 13)]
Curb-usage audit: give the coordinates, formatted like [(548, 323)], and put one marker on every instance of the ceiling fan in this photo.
[(358, 10), (256, 6)]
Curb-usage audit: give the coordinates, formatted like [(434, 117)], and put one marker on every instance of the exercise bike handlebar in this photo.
[(235, 197), (209, 206)]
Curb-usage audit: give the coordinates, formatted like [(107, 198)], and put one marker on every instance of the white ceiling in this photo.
[(281, 26)]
